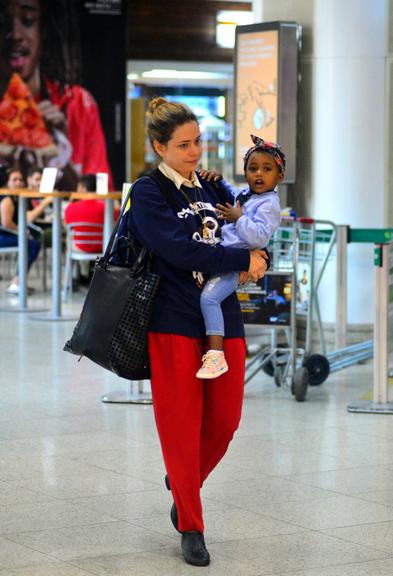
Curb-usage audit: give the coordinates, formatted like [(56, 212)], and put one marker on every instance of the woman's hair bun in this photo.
[(163, 117), (155, 103)]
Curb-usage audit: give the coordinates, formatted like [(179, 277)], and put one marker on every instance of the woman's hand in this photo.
[(210, 175), (243, 278), (229, 212), (46, 202), (38, 210), (258, 265)]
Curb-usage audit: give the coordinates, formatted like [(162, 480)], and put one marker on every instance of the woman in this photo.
[(9, 223), (196, 419)]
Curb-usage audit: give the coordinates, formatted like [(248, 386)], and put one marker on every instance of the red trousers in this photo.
[(196, 419)]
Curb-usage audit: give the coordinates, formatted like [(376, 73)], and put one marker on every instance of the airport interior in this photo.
[(90, 484)]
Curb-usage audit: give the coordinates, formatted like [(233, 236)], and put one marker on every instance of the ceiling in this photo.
[(178, 30)]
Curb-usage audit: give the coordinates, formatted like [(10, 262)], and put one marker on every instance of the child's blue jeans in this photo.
[(217, 288)]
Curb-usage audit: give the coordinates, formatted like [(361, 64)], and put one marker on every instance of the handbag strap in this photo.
[(108, 251), (162, 183)]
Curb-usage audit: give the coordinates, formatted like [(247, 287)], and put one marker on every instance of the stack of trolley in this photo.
[(273, 302)]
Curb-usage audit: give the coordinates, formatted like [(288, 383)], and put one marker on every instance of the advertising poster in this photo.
[(62, 87), (256, 89), (268, 301)]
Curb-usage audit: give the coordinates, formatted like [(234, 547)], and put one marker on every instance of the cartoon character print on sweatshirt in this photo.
[(209, 230)]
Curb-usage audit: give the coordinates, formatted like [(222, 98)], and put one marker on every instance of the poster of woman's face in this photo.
[(44, 46), (20, 39)]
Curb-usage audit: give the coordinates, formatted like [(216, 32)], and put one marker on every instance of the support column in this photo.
[(342, 123)]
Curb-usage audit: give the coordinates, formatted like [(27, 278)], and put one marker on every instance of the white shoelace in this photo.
[(209, 360)]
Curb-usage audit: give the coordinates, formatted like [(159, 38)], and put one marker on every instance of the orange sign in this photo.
[(256, 90)]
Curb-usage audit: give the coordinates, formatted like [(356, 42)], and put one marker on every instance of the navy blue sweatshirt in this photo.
[(174, 234)]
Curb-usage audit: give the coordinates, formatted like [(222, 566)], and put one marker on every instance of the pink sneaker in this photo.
[(213, 365)]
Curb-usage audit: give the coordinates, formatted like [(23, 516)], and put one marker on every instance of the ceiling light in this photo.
[(227, 20), (189, 74)]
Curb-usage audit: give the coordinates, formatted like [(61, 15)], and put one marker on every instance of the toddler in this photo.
[(250, 224)]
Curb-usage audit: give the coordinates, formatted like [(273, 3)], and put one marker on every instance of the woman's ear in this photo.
[(158, 148)]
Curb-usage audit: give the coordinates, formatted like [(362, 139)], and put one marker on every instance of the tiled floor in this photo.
[(305, 489)]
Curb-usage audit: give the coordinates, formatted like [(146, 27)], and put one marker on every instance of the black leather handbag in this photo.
[(112, 328)]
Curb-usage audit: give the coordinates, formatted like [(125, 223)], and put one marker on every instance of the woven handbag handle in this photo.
[(108, 250)]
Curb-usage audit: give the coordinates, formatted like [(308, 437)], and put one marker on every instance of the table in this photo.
[(109, 198), (55, 314), (23, 194), (141, 396)]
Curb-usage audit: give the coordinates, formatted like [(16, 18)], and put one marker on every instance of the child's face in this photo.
[(262, 173)]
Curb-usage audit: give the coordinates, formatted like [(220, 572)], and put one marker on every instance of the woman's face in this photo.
[(20, 37), (183, 151), (15, 180), (34, 181)]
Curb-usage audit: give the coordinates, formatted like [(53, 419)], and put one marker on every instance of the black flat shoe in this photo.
[(194, 549), (174, 517), (167, 482)]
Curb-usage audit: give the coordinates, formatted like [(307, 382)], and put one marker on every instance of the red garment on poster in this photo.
[(88, 211), (84, 129)]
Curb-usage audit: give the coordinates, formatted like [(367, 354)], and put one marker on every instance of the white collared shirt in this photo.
[(177, 178)]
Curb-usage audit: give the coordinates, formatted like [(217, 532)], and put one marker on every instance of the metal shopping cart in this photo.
[(270, 303), (317, 239), (296, 246)]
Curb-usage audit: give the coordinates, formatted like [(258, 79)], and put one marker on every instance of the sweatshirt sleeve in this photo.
[(258, 230), (161, 231)]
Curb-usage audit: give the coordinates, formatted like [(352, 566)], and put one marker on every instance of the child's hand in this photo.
[(210, 175), (228, 212)]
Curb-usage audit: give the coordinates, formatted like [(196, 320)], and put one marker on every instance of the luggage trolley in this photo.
[(300, 244), (317, 239), (271, 303)]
